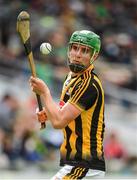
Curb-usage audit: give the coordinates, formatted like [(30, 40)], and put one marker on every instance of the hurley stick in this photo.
[(23, 28)]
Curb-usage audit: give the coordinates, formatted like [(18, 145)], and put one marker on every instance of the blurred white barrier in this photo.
[(120, 93)]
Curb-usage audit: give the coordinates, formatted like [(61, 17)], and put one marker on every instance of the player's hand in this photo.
[(38, 85), (42, 116)]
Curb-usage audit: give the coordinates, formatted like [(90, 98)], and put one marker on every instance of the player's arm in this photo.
[(59, 117)]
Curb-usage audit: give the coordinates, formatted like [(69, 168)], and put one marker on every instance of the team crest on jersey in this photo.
[(61, 104)]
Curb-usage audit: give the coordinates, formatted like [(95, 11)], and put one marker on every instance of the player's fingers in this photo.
[(33, 88), (32, 83), (33, 80)]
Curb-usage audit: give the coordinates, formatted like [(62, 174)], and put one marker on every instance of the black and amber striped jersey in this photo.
[(83, 136)]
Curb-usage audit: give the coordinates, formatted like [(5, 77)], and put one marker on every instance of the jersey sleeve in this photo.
[(84, 96)]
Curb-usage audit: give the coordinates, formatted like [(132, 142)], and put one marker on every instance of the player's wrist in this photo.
[(46, 93)]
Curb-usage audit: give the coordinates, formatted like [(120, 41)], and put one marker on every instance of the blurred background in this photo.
[(26, 152)]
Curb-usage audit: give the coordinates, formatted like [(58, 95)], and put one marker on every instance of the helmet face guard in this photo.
[(86, 38)]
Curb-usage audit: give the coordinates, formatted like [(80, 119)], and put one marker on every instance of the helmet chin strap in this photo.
[(76, 68)]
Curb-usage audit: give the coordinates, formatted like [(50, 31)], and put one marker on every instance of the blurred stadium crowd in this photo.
[(53, 21)]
